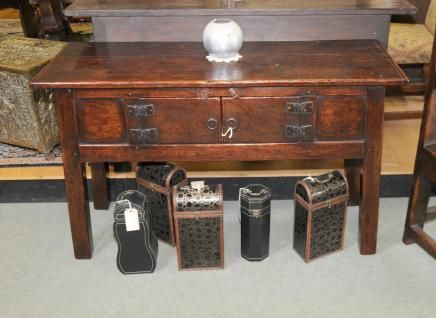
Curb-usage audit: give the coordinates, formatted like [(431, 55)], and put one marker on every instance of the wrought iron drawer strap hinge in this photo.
[(144, 136), (301, 109), (139, 133), (296, 107), (140, 111), (295, 131)]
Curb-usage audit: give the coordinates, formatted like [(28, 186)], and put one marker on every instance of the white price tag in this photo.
[(132, 219), (197, 185)]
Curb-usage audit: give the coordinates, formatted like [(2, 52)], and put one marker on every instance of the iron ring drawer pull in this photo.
[(231, 123), (212, 124)]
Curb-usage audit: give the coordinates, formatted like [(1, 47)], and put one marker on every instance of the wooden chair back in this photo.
[(430, 18), (428, 126), (424, 176)]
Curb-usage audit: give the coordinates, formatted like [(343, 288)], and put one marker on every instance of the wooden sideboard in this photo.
[(272, 20), (165, 102)]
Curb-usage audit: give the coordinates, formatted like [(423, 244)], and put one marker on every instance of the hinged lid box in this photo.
[(198, 215), (156, 181), (320, 214)]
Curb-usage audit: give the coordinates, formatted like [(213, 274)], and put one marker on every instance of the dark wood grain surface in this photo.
[(99, 186), (92, 118), (222, 152), (371, 171), (335, 124), (154, 65), (75, 177), (228, 8)]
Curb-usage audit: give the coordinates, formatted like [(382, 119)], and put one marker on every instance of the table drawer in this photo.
[(340, 118), (307, 118), (140, 121), (101, 121)]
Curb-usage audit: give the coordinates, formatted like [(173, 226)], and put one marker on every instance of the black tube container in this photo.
[(255, 211)]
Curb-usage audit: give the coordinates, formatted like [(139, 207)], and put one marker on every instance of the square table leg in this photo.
[(75, 176), (371, 171), (353, 171), (99, 186)]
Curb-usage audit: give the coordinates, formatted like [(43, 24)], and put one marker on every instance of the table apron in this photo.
[(222, 152)]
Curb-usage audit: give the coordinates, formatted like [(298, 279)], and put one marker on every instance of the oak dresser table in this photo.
[(165, 102)]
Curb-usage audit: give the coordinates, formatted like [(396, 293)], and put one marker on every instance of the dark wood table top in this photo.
[(242, 7), (184, 64)]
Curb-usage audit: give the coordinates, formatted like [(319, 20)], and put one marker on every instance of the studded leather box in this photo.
[(255, 206), (320, 215), (137, 248), (156, 180), (198, 215), (27, 117)]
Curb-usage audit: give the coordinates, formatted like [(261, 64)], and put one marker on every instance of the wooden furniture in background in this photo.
[(273, 20), (53, 23), (28, 16), (8, 4), (425, 173), (410, 46), (284, 100), (419, 17), (44, 19)]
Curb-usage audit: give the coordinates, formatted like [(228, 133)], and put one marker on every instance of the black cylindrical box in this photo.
[(255, 209)]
